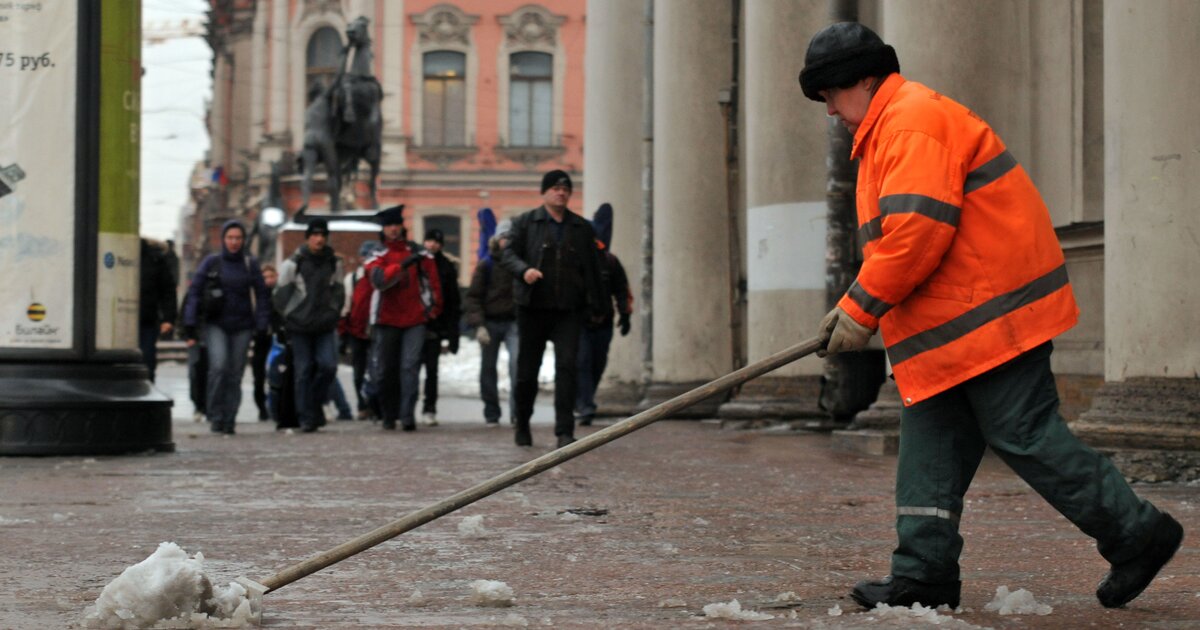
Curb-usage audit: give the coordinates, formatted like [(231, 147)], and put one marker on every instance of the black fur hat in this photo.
[(843, 53)]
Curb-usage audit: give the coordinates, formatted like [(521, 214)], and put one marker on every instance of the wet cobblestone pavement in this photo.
[(641, 533)]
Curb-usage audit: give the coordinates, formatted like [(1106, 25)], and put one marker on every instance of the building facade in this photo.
[(479, 98)]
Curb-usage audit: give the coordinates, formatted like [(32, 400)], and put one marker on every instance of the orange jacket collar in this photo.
[(882, 97)]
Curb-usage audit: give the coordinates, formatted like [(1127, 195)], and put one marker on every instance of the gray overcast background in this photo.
[(175, 88)]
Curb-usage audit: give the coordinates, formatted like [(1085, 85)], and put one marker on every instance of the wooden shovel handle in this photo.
[(541, 464)]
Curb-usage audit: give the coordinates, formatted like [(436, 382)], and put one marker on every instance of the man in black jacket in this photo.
[(309, 298), (156, 312), (443, 328), (557, 287)]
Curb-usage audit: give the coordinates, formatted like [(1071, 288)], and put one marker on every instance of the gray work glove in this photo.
[(840, 333), (483, 336)]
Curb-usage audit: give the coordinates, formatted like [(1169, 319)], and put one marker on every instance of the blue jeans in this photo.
[(226, 363), (338, 396), (398, 363), (501, 331), (593, 358), (315, 365), (148, 344)]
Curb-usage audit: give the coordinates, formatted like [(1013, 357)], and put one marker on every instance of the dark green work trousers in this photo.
[(1013, 409)]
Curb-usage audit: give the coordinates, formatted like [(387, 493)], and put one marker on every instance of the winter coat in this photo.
[(409, 292), (247, 302), (309, 295), (570, 267), (446, 323), (157, 286), (616, 285), (962, 270), (357, 321), (490, 296)]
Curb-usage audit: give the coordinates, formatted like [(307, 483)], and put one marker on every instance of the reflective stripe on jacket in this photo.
[(962, 270)]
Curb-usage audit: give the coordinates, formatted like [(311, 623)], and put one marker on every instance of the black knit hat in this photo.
[(556, 177), (391, 216), (317, 226), (842, 54), (435, 235)]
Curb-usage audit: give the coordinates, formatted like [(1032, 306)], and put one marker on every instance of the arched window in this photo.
[(531, 99), (444, 108), (450, 226), (321, 60)]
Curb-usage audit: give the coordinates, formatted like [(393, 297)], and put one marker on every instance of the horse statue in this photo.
[(343, 124)]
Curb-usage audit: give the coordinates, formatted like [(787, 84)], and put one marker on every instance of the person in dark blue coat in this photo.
[(228, 293)]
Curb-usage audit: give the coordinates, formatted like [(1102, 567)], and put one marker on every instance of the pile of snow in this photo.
[(472, 527), (733, 610), (169, 590), (491, 593), (417, 599), (1018, 602), (836, 611), (458, 374)]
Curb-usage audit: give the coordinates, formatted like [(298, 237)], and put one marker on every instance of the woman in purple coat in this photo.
[(228, 302)]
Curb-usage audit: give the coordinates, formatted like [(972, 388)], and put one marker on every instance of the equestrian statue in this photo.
[(342, 123)]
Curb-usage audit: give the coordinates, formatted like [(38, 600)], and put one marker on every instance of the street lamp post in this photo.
[(71, 377)]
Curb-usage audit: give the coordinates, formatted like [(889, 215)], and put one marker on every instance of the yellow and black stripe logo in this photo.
[(36, 312)]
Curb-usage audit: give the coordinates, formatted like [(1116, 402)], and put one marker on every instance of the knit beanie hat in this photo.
[(317, 226), (557, 177), (842, 54)]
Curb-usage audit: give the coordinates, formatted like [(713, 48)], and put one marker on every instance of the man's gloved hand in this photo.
[(840, 333), (410, 261), (483, 336), (623, 324)]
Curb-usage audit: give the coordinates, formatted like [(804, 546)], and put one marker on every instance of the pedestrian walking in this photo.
[(966, 280), (156, 306), (228, 295), (556, 288), (441, 335), (261, 350), (197, 363), (596, 337), (355, 325), (309, 300), (490, 309), (409, 296)]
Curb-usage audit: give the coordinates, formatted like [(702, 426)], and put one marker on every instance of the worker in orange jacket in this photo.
[(964, 278)]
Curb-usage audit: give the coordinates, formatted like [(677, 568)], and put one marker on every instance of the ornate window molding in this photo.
[(316, 15), (531, 28), (442, 27)]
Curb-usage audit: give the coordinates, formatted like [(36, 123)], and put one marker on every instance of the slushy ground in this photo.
[(641, 533)]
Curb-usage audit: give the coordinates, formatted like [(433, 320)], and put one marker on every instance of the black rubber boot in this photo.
[(564, 440), (902, 591), (1125, 582), (522, 436)]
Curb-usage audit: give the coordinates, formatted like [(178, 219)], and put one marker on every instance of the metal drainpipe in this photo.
[(647, 276), (729, 108)]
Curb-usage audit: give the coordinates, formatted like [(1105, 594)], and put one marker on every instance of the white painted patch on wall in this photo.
[(785, 246)]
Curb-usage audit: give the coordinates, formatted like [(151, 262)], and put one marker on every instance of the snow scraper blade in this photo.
[(531, 468)]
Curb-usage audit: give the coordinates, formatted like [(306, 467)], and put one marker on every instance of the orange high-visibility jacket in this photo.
[(962, 270)]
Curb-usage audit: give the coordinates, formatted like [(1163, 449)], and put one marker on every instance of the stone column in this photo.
[(391, 77), (785, 149), (613, 69), (692, 63), (1149, 406)]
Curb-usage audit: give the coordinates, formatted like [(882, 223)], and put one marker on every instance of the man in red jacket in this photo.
[(409, 296), (965, 279)]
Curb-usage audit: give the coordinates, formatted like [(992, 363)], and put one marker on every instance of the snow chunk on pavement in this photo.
[(733, 610), (1018, 602), (170, 589), (417, 599), (472, 527), (491, 593), (836, 611)]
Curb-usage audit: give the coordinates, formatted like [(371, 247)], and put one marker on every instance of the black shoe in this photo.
[(523, 437), (1125, 582), (586, 421), (564, 440), (902, 591), (408, 426), (492, 421), (263, 416), (308, 428), (389, 425), (229, 430)]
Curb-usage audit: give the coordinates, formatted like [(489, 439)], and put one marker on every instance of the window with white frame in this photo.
[(444, 102), (321, 60), (531, 99)]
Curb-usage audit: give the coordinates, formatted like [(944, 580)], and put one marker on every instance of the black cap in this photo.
[(317, 226), (557, 177), (435, 235), (841, 55), (391, 216)]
